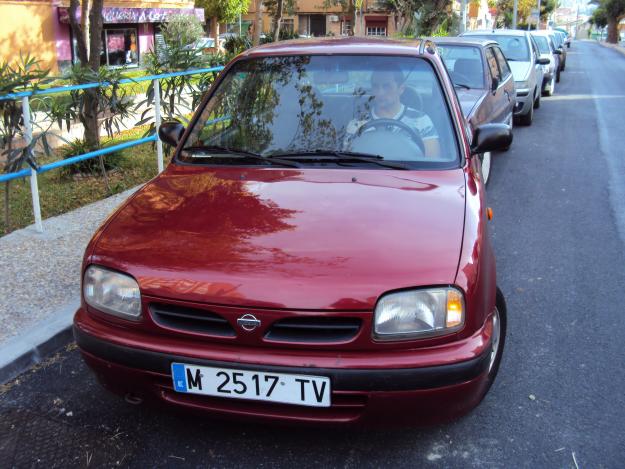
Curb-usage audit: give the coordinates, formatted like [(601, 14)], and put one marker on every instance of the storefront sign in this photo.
[(136, 15)]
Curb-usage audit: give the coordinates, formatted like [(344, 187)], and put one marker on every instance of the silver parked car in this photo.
[(551, 71), (522, 55)]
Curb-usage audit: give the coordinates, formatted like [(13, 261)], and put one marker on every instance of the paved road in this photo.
[(559, 231)]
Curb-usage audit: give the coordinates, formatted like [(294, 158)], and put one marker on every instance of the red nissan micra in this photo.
[(317, 250)]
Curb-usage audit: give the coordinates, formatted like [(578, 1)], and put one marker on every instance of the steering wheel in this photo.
[(378, 123)]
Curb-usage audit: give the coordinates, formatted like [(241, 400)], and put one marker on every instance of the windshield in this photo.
[(514, 48), (326, 107), (464, 64), (543, 44)]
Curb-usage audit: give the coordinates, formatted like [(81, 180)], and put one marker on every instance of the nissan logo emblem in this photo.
[(248, 322)]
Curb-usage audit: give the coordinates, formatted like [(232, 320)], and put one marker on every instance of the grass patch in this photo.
[(60, 194)]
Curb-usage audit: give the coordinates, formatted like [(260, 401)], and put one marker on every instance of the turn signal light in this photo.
[(454, 309)]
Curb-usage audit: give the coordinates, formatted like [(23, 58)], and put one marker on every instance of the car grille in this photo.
[(191, 320), (314, 329)]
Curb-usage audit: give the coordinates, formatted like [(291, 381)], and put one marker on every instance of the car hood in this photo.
[(520, 70), (468, 99), (297, 239)]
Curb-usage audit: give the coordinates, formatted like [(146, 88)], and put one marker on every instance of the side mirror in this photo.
[(491, 137), (543, 61), (557, 52), (494, 84), (171, 132)]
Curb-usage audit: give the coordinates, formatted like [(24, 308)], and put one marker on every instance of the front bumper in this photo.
[(403, 393), (524, 101)]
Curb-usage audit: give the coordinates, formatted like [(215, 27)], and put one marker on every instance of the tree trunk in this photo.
[(277, 20), (258, 23), (216, 32), (95, 34), (612, 31), (78, 32), (84, 22)]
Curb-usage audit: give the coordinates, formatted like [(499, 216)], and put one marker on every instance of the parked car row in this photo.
[(500, 75)]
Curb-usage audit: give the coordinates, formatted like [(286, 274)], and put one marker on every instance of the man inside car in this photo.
[(387, 87)]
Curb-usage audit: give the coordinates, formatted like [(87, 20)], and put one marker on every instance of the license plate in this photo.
[(303, 390)]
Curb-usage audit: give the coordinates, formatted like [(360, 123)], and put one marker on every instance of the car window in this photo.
[(514, 48), (464, 64), (534, 47), (504, 68), (276, 105), (491, 60), (543, 44)]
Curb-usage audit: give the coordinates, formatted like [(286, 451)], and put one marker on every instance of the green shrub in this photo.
[(90, 166)]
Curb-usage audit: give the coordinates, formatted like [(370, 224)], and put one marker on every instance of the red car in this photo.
[(317, 250)]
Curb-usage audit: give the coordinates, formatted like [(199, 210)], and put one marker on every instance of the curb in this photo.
[(615, 47), (22, 352)]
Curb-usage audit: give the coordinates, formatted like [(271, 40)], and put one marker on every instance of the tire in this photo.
[(527, 119), (486, 161), (552, 87), (537, 101), (497, 342), (511, 124)]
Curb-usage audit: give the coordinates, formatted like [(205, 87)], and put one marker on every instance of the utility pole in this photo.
[(463, 16), (514, 13)]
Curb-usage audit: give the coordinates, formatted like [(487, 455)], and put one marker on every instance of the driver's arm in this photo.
[(429, 136), (432, 147)]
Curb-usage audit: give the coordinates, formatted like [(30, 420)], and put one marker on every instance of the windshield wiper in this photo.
[(338, 156), (212, 151), (462, 85)]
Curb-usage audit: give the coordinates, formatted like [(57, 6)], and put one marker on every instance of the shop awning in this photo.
[(136, 15)]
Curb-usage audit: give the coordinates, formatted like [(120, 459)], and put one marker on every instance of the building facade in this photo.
[(41, 27), (312, 19)]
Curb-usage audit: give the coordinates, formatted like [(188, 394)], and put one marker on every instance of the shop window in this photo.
[(120, 47), (376, 30), (346, 27), (288, 24)]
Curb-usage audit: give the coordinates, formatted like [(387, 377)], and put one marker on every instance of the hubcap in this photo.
[(494, 340)]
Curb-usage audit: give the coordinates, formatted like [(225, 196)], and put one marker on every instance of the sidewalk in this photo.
[(40, 286), (620, 47)]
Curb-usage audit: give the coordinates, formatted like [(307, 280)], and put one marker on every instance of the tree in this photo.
[(276, 9), (615, 12), (89, 57), (424, 16), (224, 11)]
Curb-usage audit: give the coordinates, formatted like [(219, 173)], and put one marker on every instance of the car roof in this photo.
[(464, 41), (341, 46), (498, 32), (542, 32)]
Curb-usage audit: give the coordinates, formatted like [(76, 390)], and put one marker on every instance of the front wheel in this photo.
[(537, 101), (498, 337), (527, 118), (485, 161), (552, 87)]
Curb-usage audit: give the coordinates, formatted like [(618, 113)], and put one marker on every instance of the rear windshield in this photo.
[(543, 44), (390, 107), (514, 48), (464, 64)]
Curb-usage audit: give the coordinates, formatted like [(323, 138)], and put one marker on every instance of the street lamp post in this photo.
[(514, 13)]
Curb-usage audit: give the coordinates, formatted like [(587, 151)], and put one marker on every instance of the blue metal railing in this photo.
[(25, 95)]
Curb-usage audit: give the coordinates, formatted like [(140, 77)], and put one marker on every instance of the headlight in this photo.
[(521, 85), (418, 313), (112, 292)]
